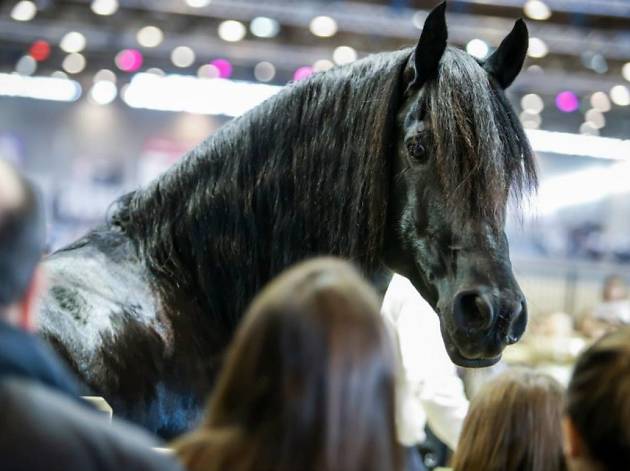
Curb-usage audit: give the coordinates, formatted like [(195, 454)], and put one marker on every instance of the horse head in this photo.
[(461, 153)]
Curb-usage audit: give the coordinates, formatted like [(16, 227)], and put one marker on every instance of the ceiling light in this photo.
[(73, 63), (24, 11), (537, 10), (537, 48), (264, 71), (26, 65), (232, 31), (208, 71), (322, 65), (264, 27), (40, 88), (150, 36), (183, 56), (103, 92), (104, 75), (104, 7), (198, 3), (129, 60), (344, 55), (619, 95), (600, 101), (532, 103), (477, 48), (596, 118), (625, 71), (530, 120), (323, 26), (72, 42)]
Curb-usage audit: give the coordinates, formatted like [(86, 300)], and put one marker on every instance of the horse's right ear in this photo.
[(431, 46)]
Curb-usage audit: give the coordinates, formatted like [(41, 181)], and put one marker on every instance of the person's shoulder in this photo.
[(41, 429)]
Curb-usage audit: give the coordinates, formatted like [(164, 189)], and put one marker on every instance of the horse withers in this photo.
[(405, 159)]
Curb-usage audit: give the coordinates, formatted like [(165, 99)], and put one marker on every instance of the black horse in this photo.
[(405, 159)]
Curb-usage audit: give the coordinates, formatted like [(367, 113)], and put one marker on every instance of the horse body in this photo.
[(144, 306)]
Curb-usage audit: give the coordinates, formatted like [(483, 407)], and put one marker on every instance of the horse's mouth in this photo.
[(461, 360)]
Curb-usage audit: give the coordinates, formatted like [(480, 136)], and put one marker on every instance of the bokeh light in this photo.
[(303, 72), (72, 42), (537, 10), (129, 60), (477, 48), (26, 65), (264, 27), (150, 36), (103, 92), (620, 95), (537, 48), (232, 31), (104, 7), (567, 101), (104, 75), (264, 71), (600, 102), (323, 26), (224, 67), (532, 103), (183, 56), (24, 11), (74, 63), (344, 55), (40, 50)]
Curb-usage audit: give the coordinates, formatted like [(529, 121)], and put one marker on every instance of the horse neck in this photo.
[(305, 173)]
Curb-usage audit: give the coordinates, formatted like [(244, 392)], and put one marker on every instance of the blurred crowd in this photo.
[(323, 374)]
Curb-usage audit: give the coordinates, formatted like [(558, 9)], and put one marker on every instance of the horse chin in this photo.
[(465, 362)]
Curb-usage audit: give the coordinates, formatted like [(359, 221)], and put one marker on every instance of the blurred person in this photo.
[(308, 383), (42, 425), (613, 311), (22, 240), (431, 391), (597, 422), (514, 424)]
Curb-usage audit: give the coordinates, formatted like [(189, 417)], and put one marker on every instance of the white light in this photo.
[(530, 120), (59, 74), (323, 26), (532, 103), (537, 48), (477, 48), (194, 95), (625, 71), (583, 186), (104, 75), (26, 65), (419, 18), (72, 42), (73, 63), (595, 118), (323, 65), (537, 10), (264, 27), (198, 3), (344, 55), (264, 71), (104, 7), (103, 92), (619, 95), (208, 71), (589, 129), (232, 31), (150, 36), (40, 88), (183, 56), (24, 11), (600, 101), (574, 144)]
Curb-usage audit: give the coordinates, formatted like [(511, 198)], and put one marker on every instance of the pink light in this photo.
[(567, 102), (129, 60), (224, 67), (302, 73)]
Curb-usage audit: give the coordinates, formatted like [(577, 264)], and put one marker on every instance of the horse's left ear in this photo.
[(506, 62), (431, 46)]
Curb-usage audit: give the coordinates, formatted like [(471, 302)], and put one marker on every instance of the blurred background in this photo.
[(98, 97)]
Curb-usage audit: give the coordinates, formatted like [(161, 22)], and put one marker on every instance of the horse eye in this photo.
[(415, 149)]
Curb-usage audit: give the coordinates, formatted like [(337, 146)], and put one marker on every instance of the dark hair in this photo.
[(308, 383), (22, 236), (514, 424), (598, 399)]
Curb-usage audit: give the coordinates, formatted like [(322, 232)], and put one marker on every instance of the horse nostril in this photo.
[(472, 311), (518, 322)]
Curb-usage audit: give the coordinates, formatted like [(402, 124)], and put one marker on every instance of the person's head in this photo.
[(22, 239), (614, 289), (514, 423), (597, 421), (308, 381)]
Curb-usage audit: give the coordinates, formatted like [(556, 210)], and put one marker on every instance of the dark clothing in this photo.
[(414, 460), (43, 430), (24, 355)]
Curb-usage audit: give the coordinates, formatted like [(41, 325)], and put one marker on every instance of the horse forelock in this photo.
[(482, 153), (305, 173)]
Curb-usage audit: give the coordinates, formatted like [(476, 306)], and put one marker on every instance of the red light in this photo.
[(40, 50)]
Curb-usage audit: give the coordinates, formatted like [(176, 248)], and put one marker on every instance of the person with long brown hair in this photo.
[(514, 424), (308, 382)]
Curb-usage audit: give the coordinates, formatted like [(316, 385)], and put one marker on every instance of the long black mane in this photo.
[(482, 153), (305, 173)]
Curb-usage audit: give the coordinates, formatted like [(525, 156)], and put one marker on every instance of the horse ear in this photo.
[(431, 46), (506, 62)]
